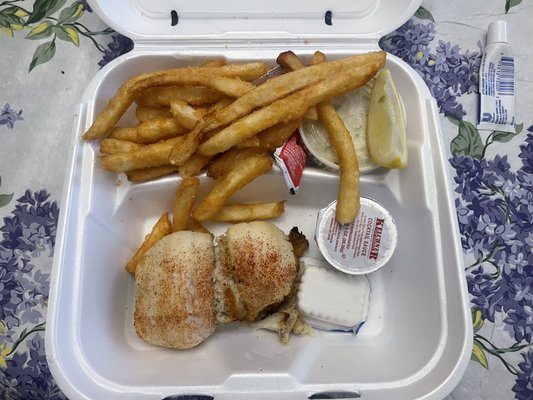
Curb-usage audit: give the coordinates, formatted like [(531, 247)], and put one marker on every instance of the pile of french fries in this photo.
[(226, 119)]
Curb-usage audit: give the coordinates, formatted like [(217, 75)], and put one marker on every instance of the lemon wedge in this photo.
[(386, 124)]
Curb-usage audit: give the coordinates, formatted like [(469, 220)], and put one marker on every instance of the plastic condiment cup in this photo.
[(361, 247)]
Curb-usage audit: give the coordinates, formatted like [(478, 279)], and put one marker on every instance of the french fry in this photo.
[(162, 96), (223, 102), (232, 75), (235, 213), (280, 86), (249, 169), (272, 138), (317, 58), (161, 228), (184, 148), (183, 203), (193, 165), (119, 103), (225, 162), (204, 84), (127, 134), (112, 146), (348, 198), (151, 155), (143, 113), (188, 145), (150, 174), (232, 87), (184, 114), (154, 130), (290, 62), (289, 108), (196, 226), (214, 62), (250, 142)]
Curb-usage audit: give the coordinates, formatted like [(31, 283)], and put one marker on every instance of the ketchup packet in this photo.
[(291, 158)]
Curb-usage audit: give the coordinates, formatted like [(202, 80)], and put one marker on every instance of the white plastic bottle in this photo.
[(496, 82)]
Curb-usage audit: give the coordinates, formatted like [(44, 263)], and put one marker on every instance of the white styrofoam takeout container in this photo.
[(417, 339)]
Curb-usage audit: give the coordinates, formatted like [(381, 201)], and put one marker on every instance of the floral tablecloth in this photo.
[(50, 49)]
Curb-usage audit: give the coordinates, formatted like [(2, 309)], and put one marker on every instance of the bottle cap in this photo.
[(497, 32)]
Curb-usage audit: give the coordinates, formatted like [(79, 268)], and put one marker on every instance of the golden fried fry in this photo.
[(214, 62), (290, 62), (154, 130), (280, 86), (206, 76), (127, 134), (143, 113), (232, 87), (348, 198), (184, 114), (112, 146), (160, 230), (184, 148), (193, 165), (162, 96), (250, 168), (289, 108), (251, 142), (150, 174), (223, 102), (183, 203), (250, 212), (151, 155), (318, 58), (272, 138), (119, 103), (225, 162)]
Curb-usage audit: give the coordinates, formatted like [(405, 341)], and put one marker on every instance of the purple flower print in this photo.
[(523, 388), (120, 45), (8, 116)]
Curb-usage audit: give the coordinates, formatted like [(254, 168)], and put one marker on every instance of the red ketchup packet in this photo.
[(291, 158)]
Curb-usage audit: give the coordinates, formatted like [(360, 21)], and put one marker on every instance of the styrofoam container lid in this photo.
[(149, 20), (91, 344)]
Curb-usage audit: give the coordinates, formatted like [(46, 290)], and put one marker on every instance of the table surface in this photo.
[(41, 79)]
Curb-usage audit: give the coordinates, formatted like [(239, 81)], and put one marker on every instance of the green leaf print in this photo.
[(467, 142), (477, 319), (478, 354), (5, 198), (510, 4), (423, 13), (41, 31), (43, 9), (67, 34), (42, 54), (70, 14), (49, 19)]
